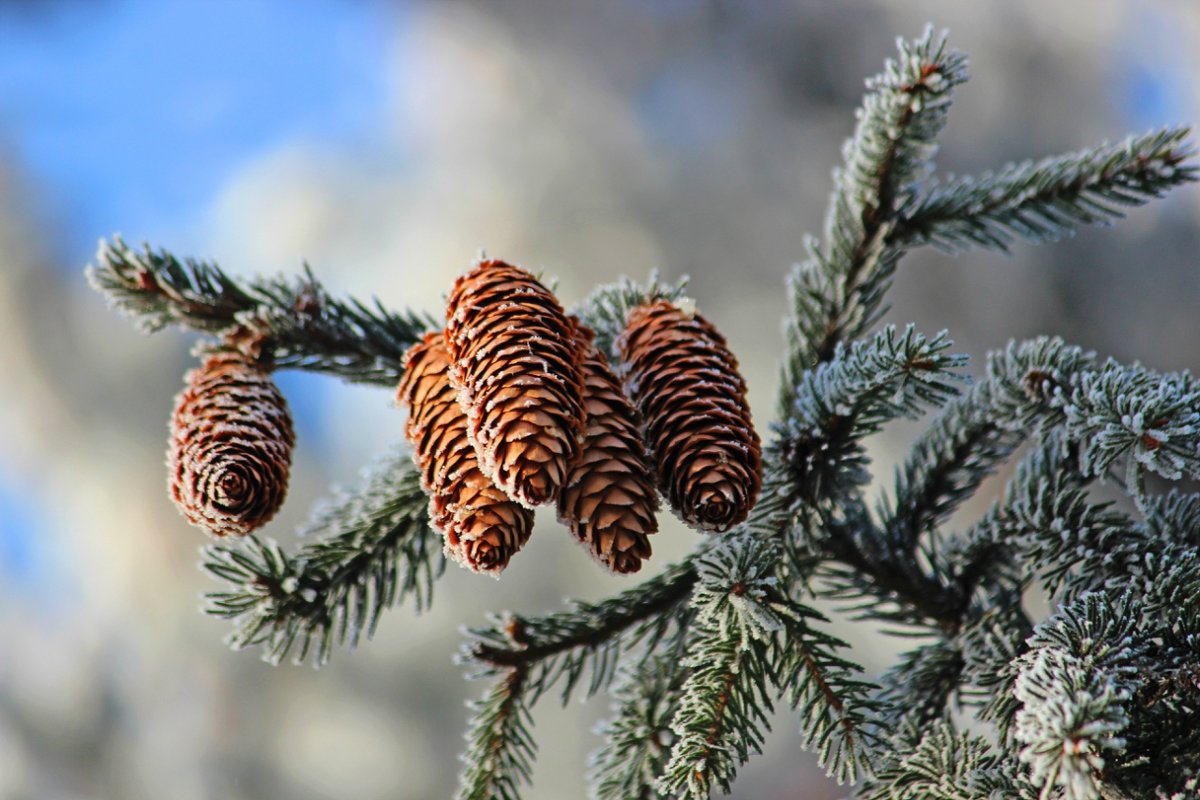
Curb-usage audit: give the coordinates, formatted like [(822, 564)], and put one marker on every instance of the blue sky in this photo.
[(131, 114)]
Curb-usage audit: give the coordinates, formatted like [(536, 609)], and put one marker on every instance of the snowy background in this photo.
[(386, 144)]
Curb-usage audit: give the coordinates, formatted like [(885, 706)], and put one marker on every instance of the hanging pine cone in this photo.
[(609, 500), (481, 525), (516, 367), (231, 446), (685, 383)]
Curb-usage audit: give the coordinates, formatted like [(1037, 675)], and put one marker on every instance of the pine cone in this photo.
[(517, 370), (685, 383), (231, 446), (609, 500), (481, 525)]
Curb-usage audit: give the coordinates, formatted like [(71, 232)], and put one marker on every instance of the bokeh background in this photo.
[(386, 144)]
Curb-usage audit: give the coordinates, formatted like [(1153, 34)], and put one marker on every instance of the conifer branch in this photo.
[(586, 639), (837, 404), (305, 326), (1174, 518), (375, 549), (749, 636), (722, 714), (834, 706), (942, 764), (500, 751), (834, 406), (1150, 420), (964, 444), (837, 293), (1048, 199), (917, 690), (1075, 542), (639, 736), (1073, 686)]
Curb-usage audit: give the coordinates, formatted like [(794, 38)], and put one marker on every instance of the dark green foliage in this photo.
[(589, 638), (371, 549), (1049, 199), (500, 745), (306, 328), (639, 738)]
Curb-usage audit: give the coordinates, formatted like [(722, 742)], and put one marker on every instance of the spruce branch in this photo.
[(1073, 686), (1047, 520), (722, 713), (748, 637), (638, 736), (1151, 421), (1019, 398), (873, 582), (837, 293), (962, 446), (373, 549), (586, 639), (917, 690), (500, 745), (834, 406), (304, 326), (1028, 377), (944, 764), (1162, 738), (991, 641), (1174, 518), (868, 383), (835, 706), (721, 718), (1049, 199)]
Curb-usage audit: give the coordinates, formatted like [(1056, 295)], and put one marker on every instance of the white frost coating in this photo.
[(1157, 436), (686, 306), (756, 618)]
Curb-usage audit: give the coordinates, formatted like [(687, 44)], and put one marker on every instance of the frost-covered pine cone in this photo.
[(685, 382), (231, 446), (481, 525), (609, 500), (516, 366)]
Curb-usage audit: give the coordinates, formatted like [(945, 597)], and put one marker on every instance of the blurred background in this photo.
[(386, 144)]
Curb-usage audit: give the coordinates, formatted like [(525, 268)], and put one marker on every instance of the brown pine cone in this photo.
[(609, 500), (231, 446), (516, 367), (481, 525), (685, 382)]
